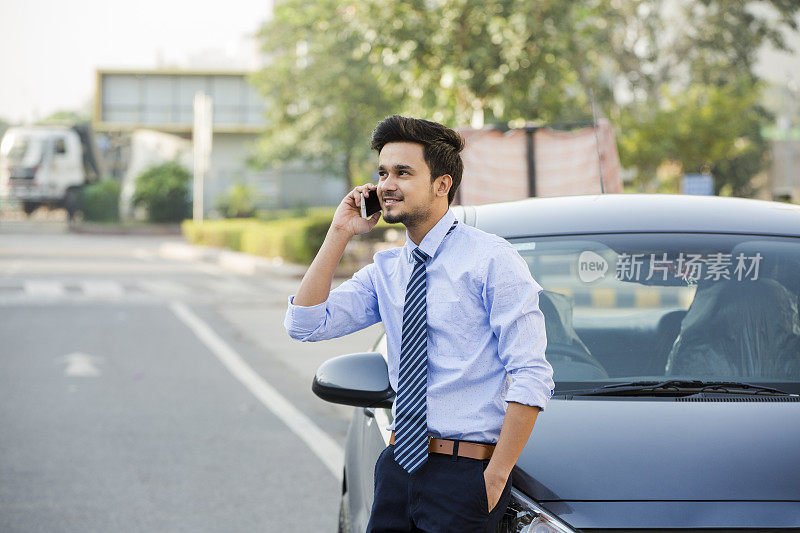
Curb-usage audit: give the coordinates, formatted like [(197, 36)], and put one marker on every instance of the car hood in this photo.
[(625, 449)]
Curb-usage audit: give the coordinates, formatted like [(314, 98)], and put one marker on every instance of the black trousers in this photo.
[(447, 493)]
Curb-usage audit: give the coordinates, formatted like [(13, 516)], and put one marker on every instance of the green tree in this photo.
[(66, 116), (164, 191), (238, 201), (322, 98), (638, 46), (336, 68), (704, 128), (683, 87), (652, 64), (456, 60), (79, 115)]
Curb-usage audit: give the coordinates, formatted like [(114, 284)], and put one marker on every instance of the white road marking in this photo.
[(13, 268), (144, 254), (49, 289), (322, 444), (102, 289), (80, 365), (237, 262), (228, 286), (164, 287), (213, 270)]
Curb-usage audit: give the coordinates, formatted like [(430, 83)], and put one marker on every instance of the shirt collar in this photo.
[(433, 239)]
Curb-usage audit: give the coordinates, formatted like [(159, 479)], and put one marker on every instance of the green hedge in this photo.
[(299, 212), (296, 240), (238, 201), (100, 201)]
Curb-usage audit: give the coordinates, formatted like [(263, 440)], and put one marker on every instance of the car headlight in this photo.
[(524, 515)]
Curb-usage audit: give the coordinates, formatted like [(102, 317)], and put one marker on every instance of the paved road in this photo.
[(145, 394)]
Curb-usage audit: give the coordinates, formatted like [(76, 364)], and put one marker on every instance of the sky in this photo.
[(49, 49)]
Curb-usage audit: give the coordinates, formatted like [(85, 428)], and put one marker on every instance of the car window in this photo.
[(676, 306), (23, 150)]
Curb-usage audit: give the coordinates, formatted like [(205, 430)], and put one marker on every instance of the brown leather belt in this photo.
[(463, 448)]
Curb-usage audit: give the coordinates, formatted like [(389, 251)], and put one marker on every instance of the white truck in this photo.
[(47, 165)]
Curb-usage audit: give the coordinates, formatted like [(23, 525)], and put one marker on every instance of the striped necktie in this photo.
[(411, 428)]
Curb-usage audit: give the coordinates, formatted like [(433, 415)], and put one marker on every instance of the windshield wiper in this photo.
[(639, 388)]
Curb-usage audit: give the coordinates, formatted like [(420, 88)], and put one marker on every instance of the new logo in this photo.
[(591, 266)]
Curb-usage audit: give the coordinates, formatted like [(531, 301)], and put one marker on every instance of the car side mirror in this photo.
[(358, 379)]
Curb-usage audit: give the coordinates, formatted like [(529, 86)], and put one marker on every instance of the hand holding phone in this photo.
[(370, 205), (348, 217)]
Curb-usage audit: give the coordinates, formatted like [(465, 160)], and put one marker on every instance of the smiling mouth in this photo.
[(391, 201)]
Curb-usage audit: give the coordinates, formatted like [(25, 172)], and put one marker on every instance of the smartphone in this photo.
[(370, 205)]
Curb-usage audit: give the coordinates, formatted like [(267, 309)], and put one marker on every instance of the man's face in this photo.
[(405, 177)]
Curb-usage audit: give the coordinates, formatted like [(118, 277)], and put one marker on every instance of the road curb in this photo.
[(357, 255), (238, 262), (115, 229)]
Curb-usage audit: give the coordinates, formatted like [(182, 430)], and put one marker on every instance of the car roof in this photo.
[(36, 131), (633, 213)]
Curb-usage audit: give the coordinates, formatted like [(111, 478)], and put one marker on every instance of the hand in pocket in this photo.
[(494, 486)]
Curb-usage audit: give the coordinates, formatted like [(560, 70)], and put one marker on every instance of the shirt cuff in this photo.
[(529, 390), (304, 319)]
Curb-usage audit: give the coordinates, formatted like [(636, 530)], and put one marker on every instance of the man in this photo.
[(465, 337)]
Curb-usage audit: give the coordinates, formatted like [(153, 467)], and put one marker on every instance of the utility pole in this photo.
[(201, 144)]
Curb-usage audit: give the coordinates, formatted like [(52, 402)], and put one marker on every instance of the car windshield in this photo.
[(626, 307), (22, 150)]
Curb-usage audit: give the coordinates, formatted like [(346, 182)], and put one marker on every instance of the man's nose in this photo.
[(385, 187)]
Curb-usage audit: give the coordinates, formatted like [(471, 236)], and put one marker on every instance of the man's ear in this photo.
[(444, 185)]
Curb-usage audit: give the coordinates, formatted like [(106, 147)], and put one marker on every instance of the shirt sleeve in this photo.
[(511, 296), (350, 307)]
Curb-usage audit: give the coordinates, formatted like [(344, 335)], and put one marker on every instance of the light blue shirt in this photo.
[(486, 334)]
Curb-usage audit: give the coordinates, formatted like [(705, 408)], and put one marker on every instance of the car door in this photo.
[(373, 440), (67, 163)]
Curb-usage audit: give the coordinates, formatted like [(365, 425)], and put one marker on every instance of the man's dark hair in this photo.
[(441, 145)]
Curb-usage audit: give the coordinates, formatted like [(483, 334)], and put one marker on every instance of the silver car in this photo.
[(673, 331)]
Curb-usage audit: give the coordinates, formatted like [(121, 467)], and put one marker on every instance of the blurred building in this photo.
[(141, 110), (784, 173), (781, 70), (784, 138)]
